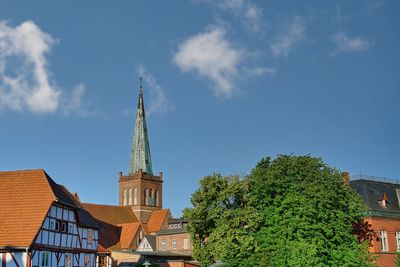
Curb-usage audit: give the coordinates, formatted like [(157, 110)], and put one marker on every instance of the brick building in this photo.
[(383, 201)]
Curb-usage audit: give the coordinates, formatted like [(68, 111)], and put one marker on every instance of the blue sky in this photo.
[(225, 83)]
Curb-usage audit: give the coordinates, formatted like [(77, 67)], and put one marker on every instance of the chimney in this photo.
[(346, 178)]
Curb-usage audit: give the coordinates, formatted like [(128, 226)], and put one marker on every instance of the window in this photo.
[(70, 228), (89, 235), (163, 244), (125, 197), (51, 225), (145, 196), (185, 243), (151, 199), (398, 240), (57, 226), (102, 261), (384, 241), (130, 197), (87, 260), (45, 259), (67, 262), (64, 227), (135, 196), (173, 243), (156, 199)]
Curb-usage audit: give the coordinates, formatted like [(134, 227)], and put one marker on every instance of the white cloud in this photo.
[(249, 13), (25, 81), (291, 34), (375, 4), (158, 102), (211, 55), (345, 43)]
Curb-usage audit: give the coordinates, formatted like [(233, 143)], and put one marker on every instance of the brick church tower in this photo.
[(140, 189)]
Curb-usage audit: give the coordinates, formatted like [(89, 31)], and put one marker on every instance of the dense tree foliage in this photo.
[(292, 211)]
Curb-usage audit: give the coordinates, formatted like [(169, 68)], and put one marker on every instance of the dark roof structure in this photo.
[(382, 198), (172, 231)]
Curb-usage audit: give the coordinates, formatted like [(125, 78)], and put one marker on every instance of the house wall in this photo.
[(390, 225), (73, 236), (179, 243), (13, 259), (60, 240)]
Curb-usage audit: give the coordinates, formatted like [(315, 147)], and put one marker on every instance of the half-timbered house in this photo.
[(42, 224)]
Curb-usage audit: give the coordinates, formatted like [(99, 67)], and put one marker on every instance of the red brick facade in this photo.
[(390, 226), (142, 192)]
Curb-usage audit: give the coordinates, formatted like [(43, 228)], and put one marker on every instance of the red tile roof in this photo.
[(157, 219), (119, 224), (25, 198), (128, 233)]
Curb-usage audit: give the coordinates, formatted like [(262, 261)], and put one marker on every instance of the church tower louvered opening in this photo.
[(140, 188)]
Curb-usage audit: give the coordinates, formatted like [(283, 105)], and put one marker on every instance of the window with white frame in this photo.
[(67, 262), (186, 243), (130, 197), (156, 202), (135, 196), (145, 196), (45, 259), (384, 241), (125, 197), (87, 260), (89, 236), (398, 240), (173, 243), (163, 244)]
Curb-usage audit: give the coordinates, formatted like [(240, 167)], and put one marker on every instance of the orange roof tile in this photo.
[(128, 233), (112, 218), (157, 219), (111, 214), (25, 198)]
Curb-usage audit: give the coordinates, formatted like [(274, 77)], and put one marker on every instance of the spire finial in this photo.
[(141, 86)]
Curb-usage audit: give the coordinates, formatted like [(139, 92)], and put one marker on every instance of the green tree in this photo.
[(292, 211), (398, 260)]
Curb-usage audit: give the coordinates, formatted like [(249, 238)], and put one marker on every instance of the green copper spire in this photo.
[(140, 158)]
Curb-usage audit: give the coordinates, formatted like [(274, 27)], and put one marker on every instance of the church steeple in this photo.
[(140, 157)]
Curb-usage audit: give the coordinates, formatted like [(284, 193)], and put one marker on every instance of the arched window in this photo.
[(151, 200), (398, 240), (156, 202), (135, 196), (384, 241), (125, 197), (130, 197), (145, 196)]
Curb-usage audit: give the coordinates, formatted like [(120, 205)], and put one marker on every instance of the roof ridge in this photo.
[(106, 205), (26, 170)]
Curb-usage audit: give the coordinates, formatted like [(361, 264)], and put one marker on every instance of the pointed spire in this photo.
[(140, 158)]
